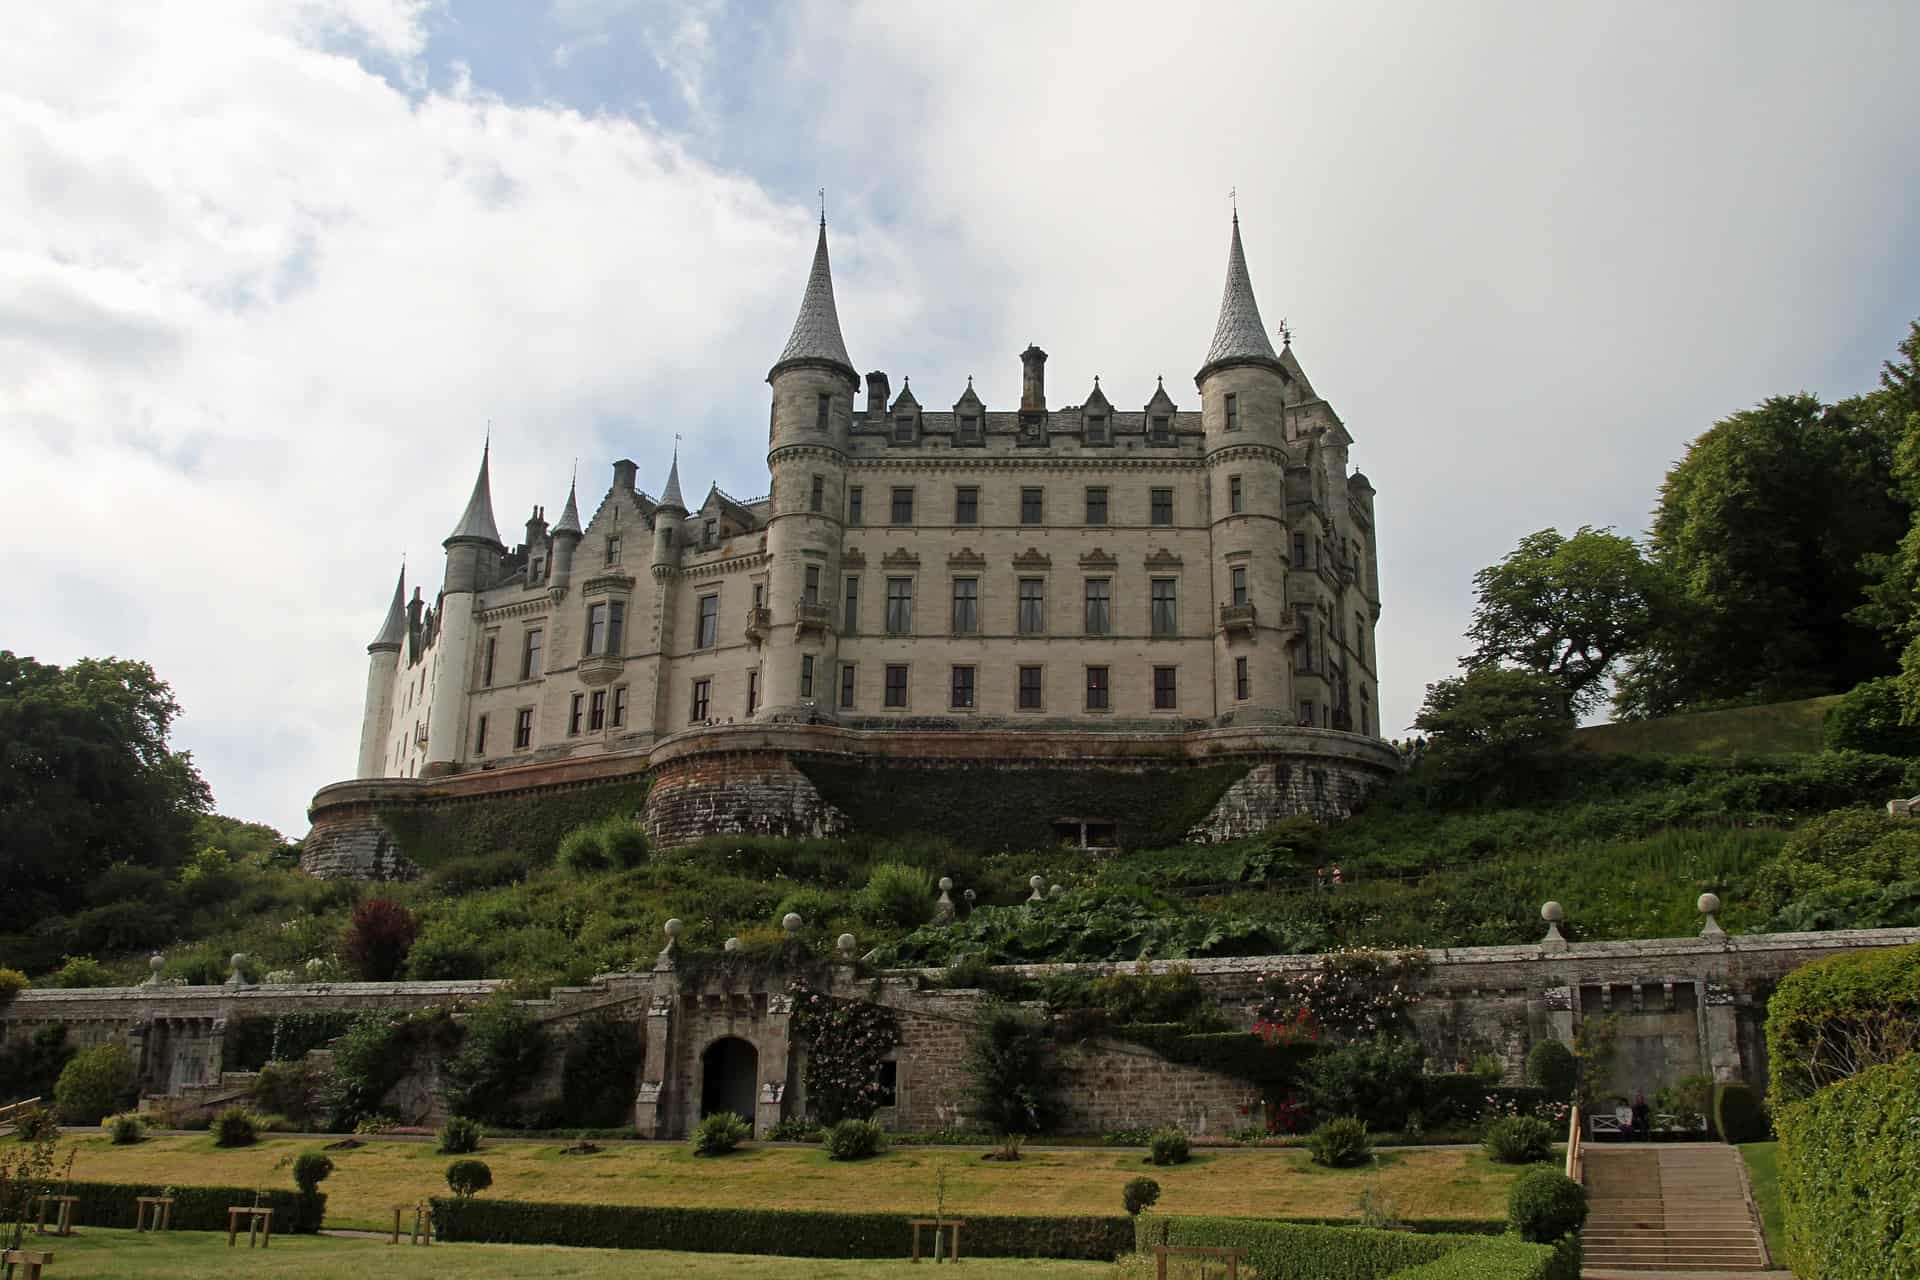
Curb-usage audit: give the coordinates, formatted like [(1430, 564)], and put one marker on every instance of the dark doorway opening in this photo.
[(730, 1070)]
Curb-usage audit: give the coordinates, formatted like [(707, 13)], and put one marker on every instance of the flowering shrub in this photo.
[(1351, 992), (846, 1042), (1287, 1028), (1506, 1107)]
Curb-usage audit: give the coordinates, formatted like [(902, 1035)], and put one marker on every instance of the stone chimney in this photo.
[(876, 396), (1033, 380), (536, 528), (624, 472)]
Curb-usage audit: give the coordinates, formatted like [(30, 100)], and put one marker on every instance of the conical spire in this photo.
[(477, 521), (394, 630), (1239, 335), (816, 333), (670, 497), (569, 521)]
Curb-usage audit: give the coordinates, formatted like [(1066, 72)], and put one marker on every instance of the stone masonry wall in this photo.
[(738, 793), (352, 843), (1326, 790)]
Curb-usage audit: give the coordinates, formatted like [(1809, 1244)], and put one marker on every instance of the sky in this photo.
[(271, 269)]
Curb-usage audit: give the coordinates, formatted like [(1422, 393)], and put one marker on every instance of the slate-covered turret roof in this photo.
[(1238, 334), (477, 521), (816, 332), (670, 497), (393, 632), (569, 521)]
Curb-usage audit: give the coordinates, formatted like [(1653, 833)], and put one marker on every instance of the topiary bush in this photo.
[(469, 1177), (125, 1129), (855, 1140), (1341, 1143), (1518, 1140), (1552, 1067), (720, 1133), (1138, 1194), (1848, 1177), (897, 894), (235, 1127), (1545, 1205), (96, 1082), (310, 1169), (1168, 1146), (459, 1136), (1829, 1019), (1739, 1115)]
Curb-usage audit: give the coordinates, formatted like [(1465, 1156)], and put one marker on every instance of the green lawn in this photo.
[(122, 1255), (1780, 728), (1763, 1171)]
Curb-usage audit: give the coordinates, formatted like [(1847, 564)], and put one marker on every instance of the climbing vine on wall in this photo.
[(1351, 992), (846, 1042)]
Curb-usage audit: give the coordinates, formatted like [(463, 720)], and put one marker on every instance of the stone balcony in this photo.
[(812, 617), (600, 668), (1237, 618), (759, 622)]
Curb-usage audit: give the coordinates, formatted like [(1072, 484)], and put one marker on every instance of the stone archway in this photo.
[(730, 1078)]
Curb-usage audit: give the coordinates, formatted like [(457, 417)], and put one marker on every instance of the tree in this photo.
[(1013, 1082), (95, 1083), (1565, 608), (1496, 735), (378, 938)]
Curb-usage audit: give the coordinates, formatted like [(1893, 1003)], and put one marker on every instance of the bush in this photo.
[(614, 842), (310, 1169), (1868, 718), (1138, 1194), (290, 1089), (459, 1136), (1286, 1249), (1848, 1176), (378, 938), (1830, 1018), (1168, 1146), (110, 1205), (721, 1132), (1341, 1143), (597, 1073), (1552, 1068), (1377, 1080), (1738, 1114), (1545, 1205), (12, 982), (469, 1177), (81, 971), (96, 1082), (1519, 1140), (1688, 1099), (37, 1124), (125, 1129), (1013, 1082), (235, 1127), (855, 1140), (899, 895), (796, 1129), (499, 1056)]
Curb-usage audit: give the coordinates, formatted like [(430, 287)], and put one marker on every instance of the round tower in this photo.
[(813, 391), (383, 667), (473, 553)]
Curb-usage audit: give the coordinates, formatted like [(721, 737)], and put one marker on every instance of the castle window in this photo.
[(821, 405), (604, 624), (966, 504), (619, 705), (899, 606), (523, 729), (1099, 606), (530, 646), (486, 663), (753, 692), (613, 548), (902, 506), (962, 699), (1166, 608), (903, 430), (1366, 710), (1162, 430), (1097, 689), (1033, 606), (539, 570), (850, 602), (1097, 429), (969, 429), (966, 606), (710, 533), (896, 684), (1030, 688), (1360, 636), (597, 711), (1299, 550), (1233, 412), (817, 501), (806, 675), (709, 632), (1161, 504), (1097, 505), (576, 708), (1239, 584), (1306, 713), (1166, 690), (854, 513), (702, 700), (759, 595), (810, 589), (480, 736), (1031, 506), (847, 675), (1233, 495), (1242, 680)]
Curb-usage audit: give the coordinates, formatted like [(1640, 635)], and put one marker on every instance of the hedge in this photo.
[(1738, 1116), (1507, 1258), (1462, 1098), (1850, 1176), (792, 1232), (110, 1204), (1864, 997), (1286, 1251)]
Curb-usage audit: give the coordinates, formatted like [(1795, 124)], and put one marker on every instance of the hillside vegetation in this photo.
[(1780, 728)]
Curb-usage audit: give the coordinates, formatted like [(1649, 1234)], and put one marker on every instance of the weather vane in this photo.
[(1286, 333), (823, 204), (1233, 198)]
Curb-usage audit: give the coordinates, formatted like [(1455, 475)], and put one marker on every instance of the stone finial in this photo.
[(969, 895), (1553, 913), (155, 963), (235, 978), (791, 922), (1709, 905), (672, 929), (731, 944), (1055, 891), (1039, 883), (845, 946), (944, 908)]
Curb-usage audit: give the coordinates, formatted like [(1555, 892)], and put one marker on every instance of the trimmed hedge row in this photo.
[(794, 1233), (110, 1204), (1824, 1016), (1289, 1251), (1508, 1258), (1850, 1175)]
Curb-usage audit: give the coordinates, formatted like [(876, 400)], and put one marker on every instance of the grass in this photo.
[(1777, 729), (123, 1255), (367, 1183), (1763, 1171)]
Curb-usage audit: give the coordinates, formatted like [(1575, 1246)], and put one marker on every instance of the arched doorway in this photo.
[(729, 1078)]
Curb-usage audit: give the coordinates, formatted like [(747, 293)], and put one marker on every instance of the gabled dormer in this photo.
[(903, 418), (1096, 419), (969, 419), (1157, 418), (721, 517)]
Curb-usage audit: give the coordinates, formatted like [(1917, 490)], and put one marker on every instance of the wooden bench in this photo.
[(28, 1260), (1232, 1257), (422, 1232), (260, 1219), (157, 1208), (936, 1224), (63, 1224)]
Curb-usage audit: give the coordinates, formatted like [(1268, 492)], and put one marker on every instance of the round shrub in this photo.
[(1519, 1140), (898, 894), (626, 843), (310, 1169), (96, 1082), (1138, 1194), (12, 981), (583, 850), (459, 1136), (1738, 1114), (469, 1177), (235, 1127), (796, 1129), (1168, 1146), (1341, 1143), (720, 1133), (125, 1129), (1551, 1066), (1546, 1205), (855, 1140)]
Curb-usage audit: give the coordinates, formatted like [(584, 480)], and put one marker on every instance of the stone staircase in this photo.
[(1670, 1207)]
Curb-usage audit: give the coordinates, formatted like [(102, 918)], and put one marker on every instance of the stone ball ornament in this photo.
[(791, 922), (673, 928), (156, 962), (731, 944), (946, 884), (1552, 912), (1709, 904), (846, 944)]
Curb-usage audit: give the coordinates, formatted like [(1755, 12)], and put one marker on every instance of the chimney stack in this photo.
[(876, 396), (624, 472), (1033, 380)]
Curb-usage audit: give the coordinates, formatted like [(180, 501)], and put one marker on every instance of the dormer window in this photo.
[(538, 571), (903, 430), (969, 430), (710, 533), (1233, 412), (613, 548), (822, 406), (1161, 431), (1097, 429)]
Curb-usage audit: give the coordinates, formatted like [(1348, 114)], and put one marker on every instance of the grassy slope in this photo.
[(1763, 1171), (367, 1183), (1778, 729), (123, 1255)]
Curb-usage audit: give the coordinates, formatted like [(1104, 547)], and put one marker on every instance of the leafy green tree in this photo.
[(1565, 608), (1013, 1082), (1496, 735)]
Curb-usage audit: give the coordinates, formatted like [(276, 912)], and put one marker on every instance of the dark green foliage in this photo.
[(975, 972), (1852, 868), (1013, 1082), (1461, 1098), (1505, 1258), (295, 1033), (457, 876), (96, 1082), (375, 1053), (1545, 1205), (792, 1233), (235, 1127), (468, 1178), (1849, 1178), (603, 1055), (1168, 1146), (1341, 1143), (1519, 1140), (1552, 1068), (498, 1058), (1138, 1194), (459, 1136), (1376, 1080), (30, 1070), (1495, 736), (1867, 718), (855, 1140), (1283, 1249), (37, 1125), (796, 1129), (615, 842), (1829, 1019), (897, 894), (1739, 1115), (432, 835), (310, 1169), (378, 938), (722, 1131), (125, 1129), (247, 1044), (1240, 1054), (846, 1042), (110, 1205)]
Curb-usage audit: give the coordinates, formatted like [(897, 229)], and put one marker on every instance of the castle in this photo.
[(1096, 585)]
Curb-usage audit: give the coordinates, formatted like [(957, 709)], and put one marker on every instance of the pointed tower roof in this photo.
[(670, 496), (906, 397), (477, 521), (1160, 400), (569, 521), (1096, 399), (816, 332), (394, 630), (1238, 335), (969, 399)]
